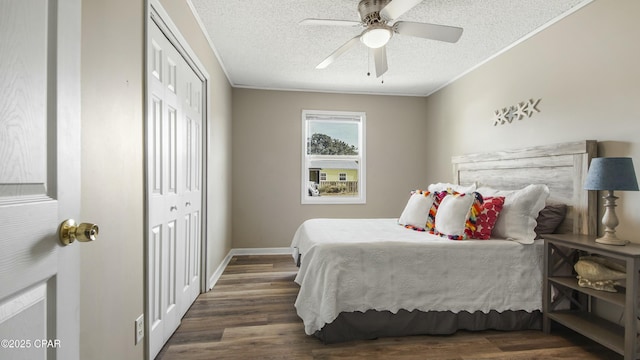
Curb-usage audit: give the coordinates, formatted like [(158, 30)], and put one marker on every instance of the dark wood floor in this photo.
[(249, 314)]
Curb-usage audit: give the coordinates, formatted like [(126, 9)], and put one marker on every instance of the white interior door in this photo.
[(174, 178), (39, 177)]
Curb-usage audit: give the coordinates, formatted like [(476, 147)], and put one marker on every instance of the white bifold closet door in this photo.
[(174, 188)]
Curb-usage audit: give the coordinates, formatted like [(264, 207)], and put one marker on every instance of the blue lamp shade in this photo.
[(611, 173)]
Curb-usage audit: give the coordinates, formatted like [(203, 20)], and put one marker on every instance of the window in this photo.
[(333, 157)]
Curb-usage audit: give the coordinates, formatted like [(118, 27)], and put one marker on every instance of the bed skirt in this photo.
[(375, 324)]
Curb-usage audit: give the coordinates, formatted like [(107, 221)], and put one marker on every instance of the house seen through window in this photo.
[(333, 157)]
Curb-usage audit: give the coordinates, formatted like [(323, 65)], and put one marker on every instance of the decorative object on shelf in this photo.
[(611, 173), (599, 273), (515, 112)]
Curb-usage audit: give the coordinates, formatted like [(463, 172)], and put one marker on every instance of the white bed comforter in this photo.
[(361, 264)]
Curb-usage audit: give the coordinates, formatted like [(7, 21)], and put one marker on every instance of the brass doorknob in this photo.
[(69, 232)]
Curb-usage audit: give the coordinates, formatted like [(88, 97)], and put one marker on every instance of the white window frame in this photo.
[(360, 158), (342, 175)]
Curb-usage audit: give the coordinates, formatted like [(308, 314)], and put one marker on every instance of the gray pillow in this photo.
[(549, 218)]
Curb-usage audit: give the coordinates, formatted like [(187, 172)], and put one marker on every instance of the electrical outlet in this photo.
[(139, 328)]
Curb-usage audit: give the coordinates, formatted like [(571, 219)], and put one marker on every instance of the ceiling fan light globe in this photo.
[(376, 37)]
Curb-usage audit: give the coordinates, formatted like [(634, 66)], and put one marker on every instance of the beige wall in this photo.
[(267, 146), (112, 283), (585, 69), (111, 295)]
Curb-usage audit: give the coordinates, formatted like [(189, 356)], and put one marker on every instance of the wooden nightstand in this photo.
[(562, 249)]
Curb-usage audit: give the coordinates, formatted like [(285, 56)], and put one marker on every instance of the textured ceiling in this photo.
[(261, 45)]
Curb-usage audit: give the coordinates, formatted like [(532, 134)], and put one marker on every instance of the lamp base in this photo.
[(611, 240), (610, 221)]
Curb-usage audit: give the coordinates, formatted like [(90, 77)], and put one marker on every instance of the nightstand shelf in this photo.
[(562, 249), (572, 283), (597, 329)]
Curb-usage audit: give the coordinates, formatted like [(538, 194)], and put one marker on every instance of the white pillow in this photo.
[(457, 188), (517, 219), (452, 215), (417, 210)]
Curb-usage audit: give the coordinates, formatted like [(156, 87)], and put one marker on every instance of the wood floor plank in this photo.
[(285, 276), (249, 332), (419, 347), (574, 352), (249, 314)]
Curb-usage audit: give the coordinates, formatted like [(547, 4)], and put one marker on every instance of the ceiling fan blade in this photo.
[(396, 8), (329, 22), (428, 31), (341, 50), (380, 59)]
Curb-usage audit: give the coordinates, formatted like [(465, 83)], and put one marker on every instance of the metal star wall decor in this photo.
[(516, 112)]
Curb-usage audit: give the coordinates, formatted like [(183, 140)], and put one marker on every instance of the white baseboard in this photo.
[(261, 251), (216, 274), (244, 251)]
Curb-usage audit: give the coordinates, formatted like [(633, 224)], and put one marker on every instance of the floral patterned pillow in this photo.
[(488, 216)]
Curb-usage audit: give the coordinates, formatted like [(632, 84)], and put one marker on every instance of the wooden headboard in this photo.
[(562, 167)]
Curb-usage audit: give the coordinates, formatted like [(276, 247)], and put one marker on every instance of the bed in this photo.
[(370, 278)]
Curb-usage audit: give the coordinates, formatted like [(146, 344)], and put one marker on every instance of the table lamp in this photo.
[(611, 173)]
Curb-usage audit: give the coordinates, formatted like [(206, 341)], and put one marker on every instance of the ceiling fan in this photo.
[(377, 17)]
